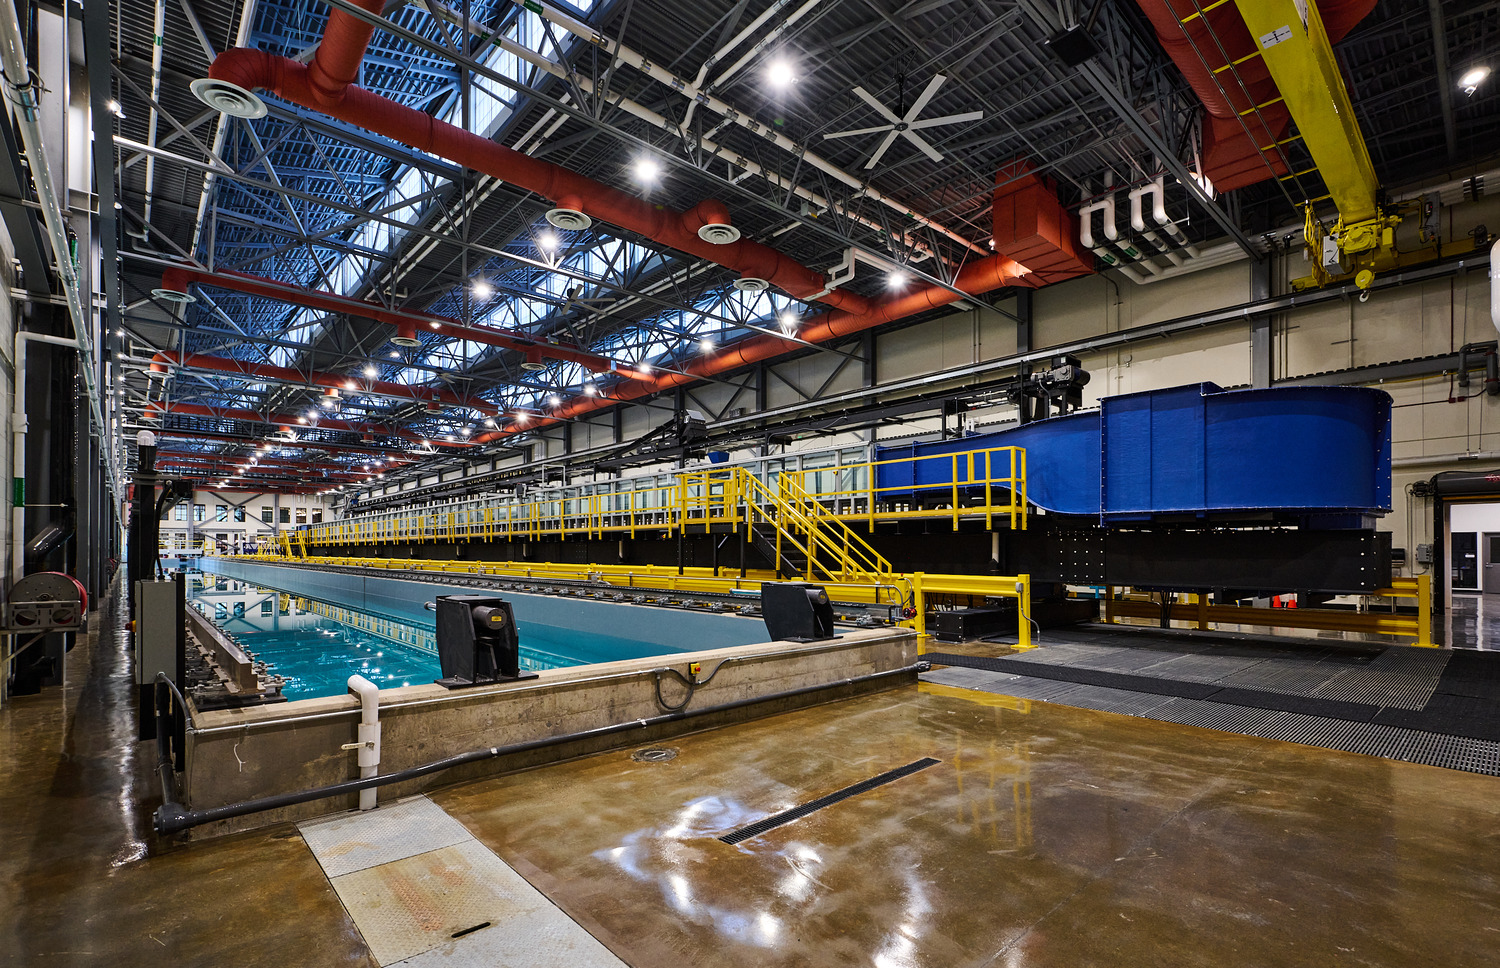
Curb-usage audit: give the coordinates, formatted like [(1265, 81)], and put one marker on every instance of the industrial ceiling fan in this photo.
[(906, 124)]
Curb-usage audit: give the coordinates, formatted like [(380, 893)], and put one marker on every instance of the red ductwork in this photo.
[(252, 69), (167, 433), (1032, 227), (983, 276), (222, 464), (281, 374), (177, 279), (1205, 45), (848, 313), (293, 422)]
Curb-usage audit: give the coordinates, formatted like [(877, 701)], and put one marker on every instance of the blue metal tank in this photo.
[(1188, 453)]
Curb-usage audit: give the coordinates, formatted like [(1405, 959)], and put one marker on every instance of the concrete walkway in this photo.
[(1044, 835)]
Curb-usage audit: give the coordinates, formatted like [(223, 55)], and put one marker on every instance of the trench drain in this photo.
[(802, 810)]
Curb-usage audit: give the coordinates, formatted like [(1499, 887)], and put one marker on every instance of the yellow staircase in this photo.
[(803, 538)]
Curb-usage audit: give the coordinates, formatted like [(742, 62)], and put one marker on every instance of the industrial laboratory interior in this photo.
[(750, 483)]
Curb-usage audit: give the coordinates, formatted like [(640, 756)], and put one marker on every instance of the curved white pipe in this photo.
[(368, 744), (1495, 285), (1158, 211)]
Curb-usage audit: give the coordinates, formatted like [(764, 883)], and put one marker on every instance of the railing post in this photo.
[(919, 605), (1023, 613), (953, 479), (1424, 611)]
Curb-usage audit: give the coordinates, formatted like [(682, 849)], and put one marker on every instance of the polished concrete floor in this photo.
[(1045, 835), (1473, 622)]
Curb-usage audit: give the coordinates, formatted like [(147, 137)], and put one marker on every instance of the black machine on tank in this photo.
[(478, 641)]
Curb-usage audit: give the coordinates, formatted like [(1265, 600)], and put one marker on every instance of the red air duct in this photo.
[(1032, 227), (222, 464), (167, 433), (292, 421), (987, 275), (574, 194), (177, 279), (1206, 45), (686, 232), (265, 371)]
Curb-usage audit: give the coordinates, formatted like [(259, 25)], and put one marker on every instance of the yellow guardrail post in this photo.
[(919, 605), (1424, 611), (1023, 614)]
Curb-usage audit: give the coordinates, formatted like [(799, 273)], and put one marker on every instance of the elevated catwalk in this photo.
[(1441, 708)]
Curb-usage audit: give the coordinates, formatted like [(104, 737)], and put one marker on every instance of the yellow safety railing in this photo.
[(857, 494), (828, 548), (914, 592), (1201, 613), (987, 485), (926, 585)]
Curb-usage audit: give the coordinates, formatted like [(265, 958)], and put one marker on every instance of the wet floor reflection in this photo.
[(1045, 836)]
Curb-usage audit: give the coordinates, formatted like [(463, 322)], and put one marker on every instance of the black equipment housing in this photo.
[(796, 611), (477, 640)]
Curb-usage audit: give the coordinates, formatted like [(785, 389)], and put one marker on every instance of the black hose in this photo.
[(172, 816)]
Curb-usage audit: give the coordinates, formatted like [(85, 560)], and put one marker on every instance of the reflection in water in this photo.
[(316, 645)]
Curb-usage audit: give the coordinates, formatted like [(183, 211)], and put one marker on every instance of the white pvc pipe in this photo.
[(719, 54), (18, 446), (1138, 218), (764, 42), (20, 91), (1494, 286), (156, 58), (368, 736)]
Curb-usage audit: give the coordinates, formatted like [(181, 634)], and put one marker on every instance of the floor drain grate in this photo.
[(654, 754), (798, 812)]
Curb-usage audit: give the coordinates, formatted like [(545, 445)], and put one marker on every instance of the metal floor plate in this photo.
[(412, 877), (349, 842), (415, 904), (538, 939)]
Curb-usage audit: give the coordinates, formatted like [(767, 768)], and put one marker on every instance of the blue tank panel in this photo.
[(1192, 451), (1062, 461)]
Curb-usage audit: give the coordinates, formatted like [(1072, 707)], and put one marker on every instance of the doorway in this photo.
[(1465, 549)]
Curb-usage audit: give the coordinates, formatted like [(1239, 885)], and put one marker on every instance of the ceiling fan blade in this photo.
[(946, 119), (921, 142), (854, 131), (925, 96), (885, 112), (884, 144)]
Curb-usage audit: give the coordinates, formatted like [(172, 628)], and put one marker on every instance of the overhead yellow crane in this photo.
[(1290, 37)]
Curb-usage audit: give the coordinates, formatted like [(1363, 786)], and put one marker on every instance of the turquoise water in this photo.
[(316, 646)]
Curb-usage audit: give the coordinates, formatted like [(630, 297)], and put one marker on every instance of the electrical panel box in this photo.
[(1424, 554), (157, 620)]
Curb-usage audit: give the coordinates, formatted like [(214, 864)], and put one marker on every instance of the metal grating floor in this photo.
[(1396, 677), (1371, 739)]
